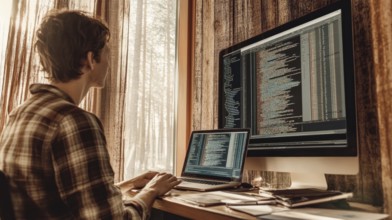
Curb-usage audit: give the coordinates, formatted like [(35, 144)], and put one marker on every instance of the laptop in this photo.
[(214, 159)]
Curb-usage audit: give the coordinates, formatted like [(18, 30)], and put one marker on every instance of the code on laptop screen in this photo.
[(217, 154)]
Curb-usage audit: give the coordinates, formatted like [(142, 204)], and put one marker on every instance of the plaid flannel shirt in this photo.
[(54, 154)]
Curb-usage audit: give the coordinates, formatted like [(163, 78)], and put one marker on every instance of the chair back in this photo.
[(6, 207)]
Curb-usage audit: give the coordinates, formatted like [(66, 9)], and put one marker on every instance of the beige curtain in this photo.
[(137, 104), (20, 66)]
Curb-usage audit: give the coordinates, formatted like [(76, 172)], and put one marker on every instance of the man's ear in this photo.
[(90, 62)]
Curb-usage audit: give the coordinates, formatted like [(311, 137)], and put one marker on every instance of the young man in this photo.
[(54, 153)]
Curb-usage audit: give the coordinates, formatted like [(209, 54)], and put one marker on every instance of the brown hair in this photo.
[(63, 40)]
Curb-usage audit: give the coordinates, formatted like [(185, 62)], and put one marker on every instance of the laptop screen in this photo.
[(217, 154)]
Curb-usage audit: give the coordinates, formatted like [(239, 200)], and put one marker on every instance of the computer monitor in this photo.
[(294, 87)]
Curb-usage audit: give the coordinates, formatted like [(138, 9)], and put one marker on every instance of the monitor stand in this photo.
[(308, 180)]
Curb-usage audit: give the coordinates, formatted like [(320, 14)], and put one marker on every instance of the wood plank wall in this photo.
[(221, 23), (380, 13)]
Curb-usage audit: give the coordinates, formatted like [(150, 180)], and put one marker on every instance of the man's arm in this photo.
[(83, 172)]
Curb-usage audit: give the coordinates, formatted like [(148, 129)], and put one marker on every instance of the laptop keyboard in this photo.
[(207, 182)]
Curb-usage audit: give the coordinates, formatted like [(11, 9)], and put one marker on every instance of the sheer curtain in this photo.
[(138, 102), (137, 105), (150, 102)]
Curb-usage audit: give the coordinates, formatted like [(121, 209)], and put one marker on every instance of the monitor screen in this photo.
[(294, 87)]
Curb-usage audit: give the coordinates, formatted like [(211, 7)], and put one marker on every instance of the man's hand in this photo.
[(155, 185), (161, 183), (136, 182)]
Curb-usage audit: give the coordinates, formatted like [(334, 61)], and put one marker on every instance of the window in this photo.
[(151, 81)]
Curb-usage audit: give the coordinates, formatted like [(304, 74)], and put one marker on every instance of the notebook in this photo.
[(214, 159)]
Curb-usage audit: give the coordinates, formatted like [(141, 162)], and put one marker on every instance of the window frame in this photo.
[(185, 58)]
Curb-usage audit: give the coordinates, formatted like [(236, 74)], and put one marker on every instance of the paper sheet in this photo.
[(257, 210), (214, 198), (329, 214)]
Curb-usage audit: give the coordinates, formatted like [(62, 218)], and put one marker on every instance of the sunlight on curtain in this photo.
[(149, 108), (5, 11), (19, 64), (88, 6), (89, 103)]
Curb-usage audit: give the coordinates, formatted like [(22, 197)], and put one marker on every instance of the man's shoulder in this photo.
[(48, 107), (46, 104)]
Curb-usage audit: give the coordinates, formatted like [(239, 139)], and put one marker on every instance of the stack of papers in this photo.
[(256, 205), (301, 197), (221, 198)]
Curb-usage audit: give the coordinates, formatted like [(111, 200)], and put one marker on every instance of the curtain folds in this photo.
[(21, 66), (136, 106)]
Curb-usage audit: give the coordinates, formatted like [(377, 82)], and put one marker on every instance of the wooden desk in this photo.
[(219, 212), (170, 205)]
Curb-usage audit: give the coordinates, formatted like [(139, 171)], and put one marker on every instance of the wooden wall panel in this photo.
[(269, 14), (380, 12), (223, 27), (198, 65), (246, 19), (236, 20), (370, 169), (209, 79), (366, 185)]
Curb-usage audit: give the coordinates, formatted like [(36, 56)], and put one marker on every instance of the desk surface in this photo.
[(173, 206), (219, 212)]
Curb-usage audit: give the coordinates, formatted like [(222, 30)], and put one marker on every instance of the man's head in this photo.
[(63, 41)]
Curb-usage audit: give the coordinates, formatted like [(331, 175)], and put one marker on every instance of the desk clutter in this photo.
[(281, 204), (301, 197), (290, 198), (211, 198)]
